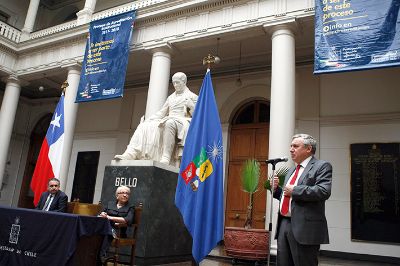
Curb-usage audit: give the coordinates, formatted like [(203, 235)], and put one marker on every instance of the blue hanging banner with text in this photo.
[(356, 35), (106, 58)]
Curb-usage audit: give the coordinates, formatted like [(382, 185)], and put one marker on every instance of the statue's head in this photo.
[(179, 80)]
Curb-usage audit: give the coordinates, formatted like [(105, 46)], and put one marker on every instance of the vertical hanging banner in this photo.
[(106, 58), (355, 35)]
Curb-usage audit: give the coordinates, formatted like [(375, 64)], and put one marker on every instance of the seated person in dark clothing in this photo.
[(53, 199), (119, 213)]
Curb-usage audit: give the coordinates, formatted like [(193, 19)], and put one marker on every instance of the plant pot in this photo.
[(250, 244)]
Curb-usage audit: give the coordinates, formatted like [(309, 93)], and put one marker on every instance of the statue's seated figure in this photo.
[(162, 136)]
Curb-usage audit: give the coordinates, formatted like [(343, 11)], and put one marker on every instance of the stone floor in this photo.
[(324, 261), (217, 257)]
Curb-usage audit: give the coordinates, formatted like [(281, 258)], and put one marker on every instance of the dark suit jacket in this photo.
[(308, 219), (59, 203)]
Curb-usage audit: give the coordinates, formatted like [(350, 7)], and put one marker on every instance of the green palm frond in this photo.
[(250, 175), (281, 173)]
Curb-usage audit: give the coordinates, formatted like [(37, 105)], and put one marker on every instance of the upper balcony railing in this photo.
[(99, 15), (52, 30), (9, 32)]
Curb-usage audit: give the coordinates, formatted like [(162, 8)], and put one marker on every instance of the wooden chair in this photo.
[(71, 206), (83, 208), (119, 242)]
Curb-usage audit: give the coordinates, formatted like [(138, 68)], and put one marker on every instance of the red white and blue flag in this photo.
[(48, 164)]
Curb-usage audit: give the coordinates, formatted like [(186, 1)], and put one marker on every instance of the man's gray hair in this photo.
[(308, 140)]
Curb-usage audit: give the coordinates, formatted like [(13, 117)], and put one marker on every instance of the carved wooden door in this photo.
[(247, 140)]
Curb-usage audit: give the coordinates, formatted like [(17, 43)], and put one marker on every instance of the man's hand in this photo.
[(276, 182), (287, 190)]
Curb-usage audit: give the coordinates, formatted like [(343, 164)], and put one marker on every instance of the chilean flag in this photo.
[(48, 164)]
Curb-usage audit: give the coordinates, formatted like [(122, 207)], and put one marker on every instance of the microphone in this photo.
[(277, 160)]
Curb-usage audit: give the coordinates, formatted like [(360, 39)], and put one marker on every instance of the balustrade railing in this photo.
[(125, 8), (52, 30), (9, 32), (99, 15)]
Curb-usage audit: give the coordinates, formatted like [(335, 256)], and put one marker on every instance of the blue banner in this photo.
[(106, 58), (356, 35), (199, 193)]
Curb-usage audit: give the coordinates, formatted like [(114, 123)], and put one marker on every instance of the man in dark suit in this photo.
[(302, 225), (53, 199)]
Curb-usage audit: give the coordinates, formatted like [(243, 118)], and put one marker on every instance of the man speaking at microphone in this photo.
[(302, 225)]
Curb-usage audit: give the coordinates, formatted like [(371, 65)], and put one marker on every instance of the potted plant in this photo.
[(246, 242)]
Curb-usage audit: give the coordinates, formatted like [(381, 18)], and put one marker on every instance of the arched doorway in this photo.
[(37, 136), (248, 139)]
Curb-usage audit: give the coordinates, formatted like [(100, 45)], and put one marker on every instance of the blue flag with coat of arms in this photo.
[(199, 193)]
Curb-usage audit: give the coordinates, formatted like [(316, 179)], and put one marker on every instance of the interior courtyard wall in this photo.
[(335, 147), (356, 107), (17, 10), (307, 102), (105, 4), (98, 116), (361, 92), (105, 146), (51, 17), (28, 114)]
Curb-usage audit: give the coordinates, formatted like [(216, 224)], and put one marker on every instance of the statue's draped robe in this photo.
[(146, 142)]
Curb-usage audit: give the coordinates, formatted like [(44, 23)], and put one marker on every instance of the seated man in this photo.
[(53, 199), (162, 136)]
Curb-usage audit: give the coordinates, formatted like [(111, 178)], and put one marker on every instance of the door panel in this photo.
[(246, 142), (261, 144), (241, 144)]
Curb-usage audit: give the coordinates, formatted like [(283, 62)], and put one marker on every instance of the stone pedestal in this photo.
[(162, 235)]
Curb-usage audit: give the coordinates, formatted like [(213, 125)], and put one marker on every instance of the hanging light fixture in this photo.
[(238, 80), (213, 58), (217, 58)]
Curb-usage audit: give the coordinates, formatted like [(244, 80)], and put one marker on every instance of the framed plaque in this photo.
[(375, 192)]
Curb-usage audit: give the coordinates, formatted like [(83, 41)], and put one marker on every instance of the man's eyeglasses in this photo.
[(127, 193)]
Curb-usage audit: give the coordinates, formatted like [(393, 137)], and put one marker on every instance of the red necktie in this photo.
[(286, 199)]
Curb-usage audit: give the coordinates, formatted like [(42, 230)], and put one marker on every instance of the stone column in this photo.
[(85, 15), (282, 117), (70, 112), (283, 69), (159, 81), (7, 117), (30, 19)]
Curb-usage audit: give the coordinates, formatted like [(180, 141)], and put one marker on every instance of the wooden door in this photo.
[(247, 140), (36, 140)]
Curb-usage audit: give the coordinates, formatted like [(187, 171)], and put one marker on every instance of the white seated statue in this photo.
[(162, 136)]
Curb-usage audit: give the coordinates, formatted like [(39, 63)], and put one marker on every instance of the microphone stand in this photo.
[(273, 163)]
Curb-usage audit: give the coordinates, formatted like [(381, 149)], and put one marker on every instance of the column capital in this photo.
[(72, 66), (166, 48), (287, 26), (13, 78)]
